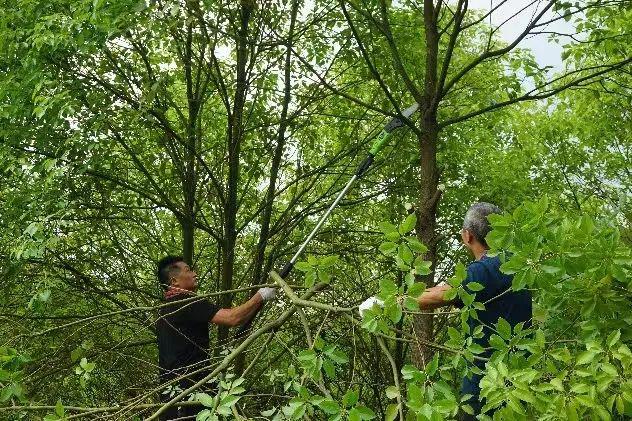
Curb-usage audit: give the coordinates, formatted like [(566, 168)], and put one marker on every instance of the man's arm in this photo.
[(239, 315), (433, 298)]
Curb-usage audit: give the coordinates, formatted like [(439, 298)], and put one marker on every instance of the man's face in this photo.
[(186, 278)]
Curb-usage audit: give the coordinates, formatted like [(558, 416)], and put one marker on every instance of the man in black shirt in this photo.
[(183, 328)]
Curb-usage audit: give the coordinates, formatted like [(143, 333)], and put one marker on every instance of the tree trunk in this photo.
[(190, 178), (428, 176), (235, 134), (266, 216)]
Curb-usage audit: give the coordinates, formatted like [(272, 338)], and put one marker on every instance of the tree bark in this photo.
[(189, 179), (428, 176), (266, 216), (235, 135)]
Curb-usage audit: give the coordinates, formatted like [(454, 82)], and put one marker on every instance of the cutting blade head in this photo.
[(397, 121), (410, 110)]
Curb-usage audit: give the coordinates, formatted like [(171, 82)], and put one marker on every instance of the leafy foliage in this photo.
[(220, 130)]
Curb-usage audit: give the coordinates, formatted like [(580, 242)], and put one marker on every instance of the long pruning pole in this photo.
[(380, 142)]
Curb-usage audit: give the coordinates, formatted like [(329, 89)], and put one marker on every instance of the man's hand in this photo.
[(369, 303), (267, 293)]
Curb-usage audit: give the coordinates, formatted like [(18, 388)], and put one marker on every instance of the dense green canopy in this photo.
[(221, 131)]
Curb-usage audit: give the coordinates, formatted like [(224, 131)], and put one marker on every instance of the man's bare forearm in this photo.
[(433, 298), (247, 309), (238, 315)]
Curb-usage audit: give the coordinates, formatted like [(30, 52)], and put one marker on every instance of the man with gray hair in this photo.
[(513, 306)]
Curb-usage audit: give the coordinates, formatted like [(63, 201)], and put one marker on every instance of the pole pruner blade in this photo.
[(397, 122)]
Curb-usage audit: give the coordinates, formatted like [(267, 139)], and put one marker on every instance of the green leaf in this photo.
[(329, 406), (338, 356), (450, 294), (388, 287), (393, 312), (475, 286), (44, 295), (229, 400), (59, 409), (269, 412), (393, 236), (585, 357), (460, 273), (504, 328), (388, 247), (557, 384), (329, 261), (620, 405), (551, 269), (350, 398), (416, 245), (586, 225), (433, 365), (404, 253), (516, 406), (571, 412), (585, 400), (387, 227), (205, 400), (588, 308), (140, 6), (392, 392), (324, 276), (76, 354), (410, 372), (303, 266), (408, 224), (329, 369), (496, 342), (32, 229), (423, 268), (363, 412), (416, 289), (391, 412), (613, 338), (307, 355), (411, 304)]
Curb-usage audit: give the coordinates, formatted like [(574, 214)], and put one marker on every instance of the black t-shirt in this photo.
[(183, 340)]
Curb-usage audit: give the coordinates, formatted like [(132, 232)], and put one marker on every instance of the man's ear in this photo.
[(173, 282), (467, 237)]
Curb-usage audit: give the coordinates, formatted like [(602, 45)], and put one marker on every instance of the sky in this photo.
[(546, 53)]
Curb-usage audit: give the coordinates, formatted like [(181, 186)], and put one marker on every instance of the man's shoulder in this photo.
[(487, 266), (179, 302)]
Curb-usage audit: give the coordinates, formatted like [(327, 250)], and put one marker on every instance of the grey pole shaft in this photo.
[(322, 219)]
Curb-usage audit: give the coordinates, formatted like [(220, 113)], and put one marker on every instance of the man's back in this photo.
[(513, 306), (183, 336)]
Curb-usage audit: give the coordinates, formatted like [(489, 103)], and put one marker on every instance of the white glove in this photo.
[(368, 303), (267, 293)]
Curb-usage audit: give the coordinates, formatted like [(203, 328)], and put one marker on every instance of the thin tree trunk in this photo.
[(189, 180), (266, 216), (428, 176), (235, 135)]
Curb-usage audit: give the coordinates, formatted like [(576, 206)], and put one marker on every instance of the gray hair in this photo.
[(476, 220)]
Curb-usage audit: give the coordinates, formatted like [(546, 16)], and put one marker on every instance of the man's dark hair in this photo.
[(476, 220), (166, 269)]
